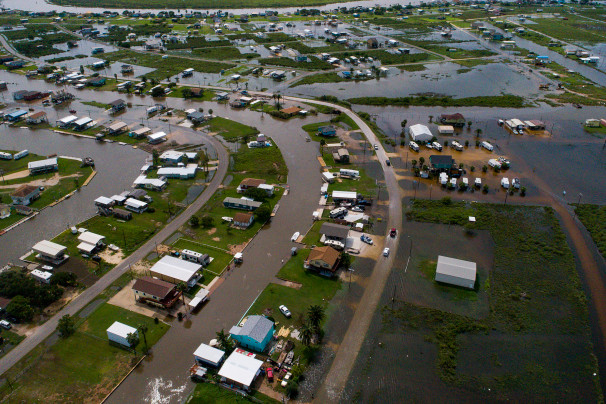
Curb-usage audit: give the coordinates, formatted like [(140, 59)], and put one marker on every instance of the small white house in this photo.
[(206, 355), (420, 133), (118, 333)]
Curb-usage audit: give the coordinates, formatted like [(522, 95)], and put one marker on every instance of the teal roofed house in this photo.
[(255, 334), (327, 131)]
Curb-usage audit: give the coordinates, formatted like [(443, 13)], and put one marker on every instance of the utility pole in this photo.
[(578, 203)]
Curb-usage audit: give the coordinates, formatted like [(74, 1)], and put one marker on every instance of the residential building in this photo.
[(243, 220), (67, 121), (249, 183), (135, 205), (43, 166), (242, 203), (50, 252), (291, 111), (41, 276), (90, 242), (117, 106), (196, 117), (333, 231), (268, 188), (175, 270), (5, 211), (15, 115), (441, 162), (207, 356), (37, 118), (139, 133), (255, 333), (240, 370), (156, 292), (179, 172), (323, 260), (372, 43), (118, 333), (456, 272), (25, 194), (327, 131), (96, 81), (456, 119), (157, 137), (116, 128), (344, 196), (171, 157), (82, 123), (154, 184)]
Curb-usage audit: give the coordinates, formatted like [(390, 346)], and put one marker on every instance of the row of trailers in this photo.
[(16, 156)]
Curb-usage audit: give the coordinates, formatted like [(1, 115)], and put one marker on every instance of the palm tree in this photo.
[(322, 144), (315, 315), (182, 287), (225, 342), (403, 123), (478, 132), (143, 328), (133, 340), (306, 334)]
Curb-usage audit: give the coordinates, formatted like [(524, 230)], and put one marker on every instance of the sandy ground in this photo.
[(18, 174), (48, 182), (368, 251), (112, 257)]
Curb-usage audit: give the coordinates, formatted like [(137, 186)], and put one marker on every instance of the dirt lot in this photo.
[(125, 298)]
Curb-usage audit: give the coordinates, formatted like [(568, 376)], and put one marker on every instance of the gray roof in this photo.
[(334, 230), (255, 327)]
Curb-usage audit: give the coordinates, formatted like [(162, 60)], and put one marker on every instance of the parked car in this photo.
[(295, 236), (5, 324), (357, 209), (270, 374), (366, 239), (285, 311), (286, 379), (96, 258), (386, 252), (376, 147), (393, 232), (364, 202), (48, 268), (516, 183)]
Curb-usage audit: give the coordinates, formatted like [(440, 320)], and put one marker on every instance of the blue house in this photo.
[(254, 334), (328, 131), (497, 37)]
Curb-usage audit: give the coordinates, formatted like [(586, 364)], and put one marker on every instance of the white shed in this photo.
[(118, 333), (206, 355), (420, 133), (456, 272)]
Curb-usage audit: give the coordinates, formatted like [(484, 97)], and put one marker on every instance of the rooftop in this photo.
[(153, 286), (255, 327), (24, 190), (326, 254), (240, 368), (176, 268)]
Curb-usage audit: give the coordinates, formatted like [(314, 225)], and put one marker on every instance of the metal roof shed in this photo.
[(207, 355), (118, 333), (348, 195), (456, 272), (91, 238), (420, 133)]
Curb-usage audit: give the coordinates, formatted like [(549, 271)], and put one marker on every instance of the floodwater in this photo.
[(571, 160), (445, 78), (41, 5)]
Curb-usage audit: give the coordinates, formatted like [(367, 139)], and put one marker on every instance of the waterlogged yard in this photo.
[(530, 341)]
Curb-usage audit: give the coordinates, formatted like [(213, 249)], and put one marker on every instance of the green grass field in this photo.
[(232, 131), (207, 393), (594, 220), (83, 367), (11, 166)]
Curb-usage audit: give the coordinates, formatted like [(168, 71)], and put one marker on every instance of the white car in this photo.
[(386, 252), (5, 324), (286, 379), (376, 147), (285, 311), (47, 268), (295, 236)]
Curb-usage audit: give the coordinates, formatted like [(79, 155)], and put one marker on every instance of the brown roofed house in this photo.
[(291, 110), (323, 260), (250, 183), (156, 292), (25, 194), (243, 220)]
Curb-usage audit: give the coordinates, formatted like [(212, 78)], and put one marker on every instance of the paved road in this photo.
[(45, 330), (164, 378), (12, 50)]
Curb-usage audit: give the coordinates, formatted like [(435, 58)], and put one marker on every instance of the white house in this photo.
[(118, 333), (206, 355), (175, 270), (41, 276), (240, 370), (420, 133), (456, 272)]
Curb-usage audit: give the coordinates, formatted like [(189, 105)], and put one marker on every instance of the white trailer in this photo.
[(487, 146)]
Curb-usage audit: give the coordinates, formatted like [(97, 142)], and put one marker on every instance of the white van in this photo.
[(414, 146), (487, 146), (437, 146), (505, 182), (478, 182)]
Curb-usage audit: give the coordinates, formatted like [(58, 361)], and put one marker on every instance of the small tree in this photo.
[(414, 163), (485, 188), (315, 315), (66, 326), (157, 92), (469, 124), (207, 222), (186, 92), (484, 168), (20, 308), (155, 157), (478, 132), (421, 160), (322, 144), (306, 334), (194, 221), (263, 213)]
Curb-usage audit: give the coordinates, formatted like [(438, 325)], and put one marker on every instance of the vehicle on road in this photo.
[(393, 232), (295, 236), (285, 311), (388, 162), (5, 324), (376, 147), (366, 239), (386, 252)]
